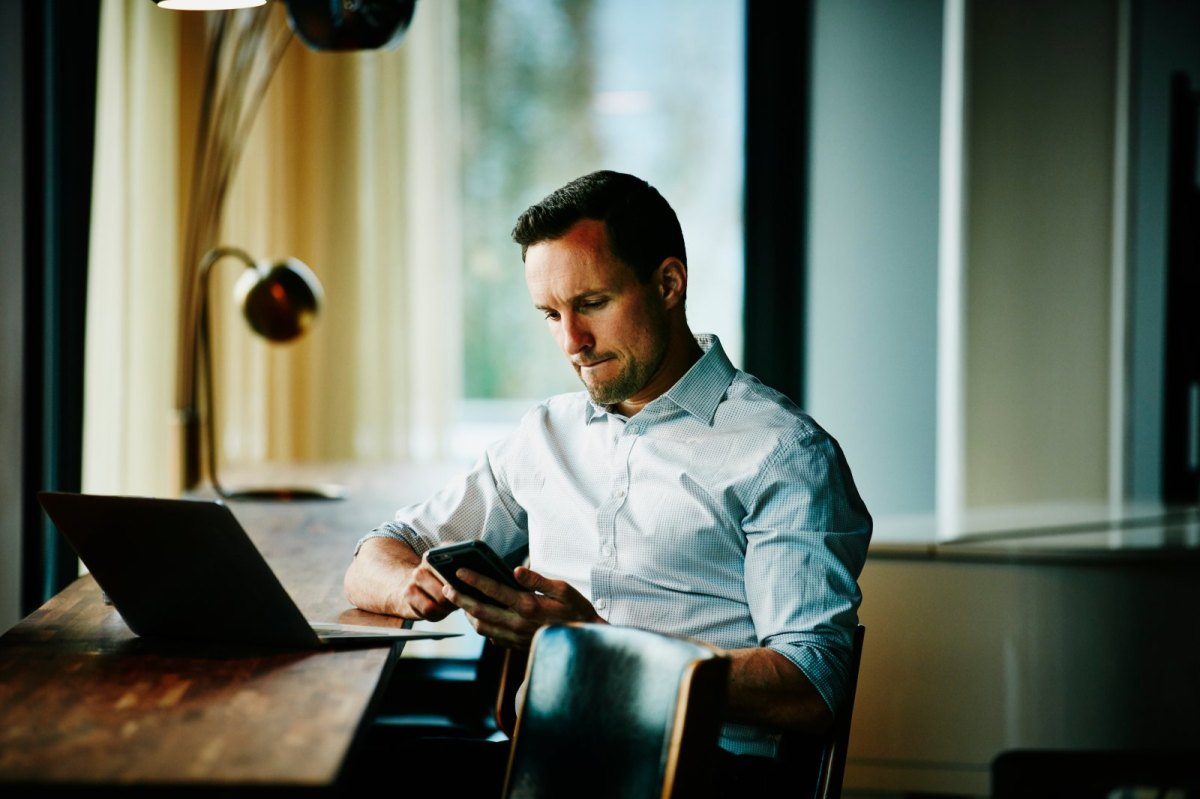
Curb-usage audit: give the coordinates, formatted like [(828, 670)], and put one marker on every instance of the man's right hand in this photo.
[(387, 576)]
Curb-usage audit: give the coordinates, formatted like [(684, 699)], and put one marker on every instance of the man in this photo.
[(676, 494)]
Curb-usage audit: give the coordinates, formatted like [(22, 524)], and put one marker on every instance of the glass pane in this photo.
[(553, 89)]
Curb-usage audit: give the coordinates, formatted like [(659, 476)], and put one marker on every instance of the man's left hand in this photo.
[(513, 625)]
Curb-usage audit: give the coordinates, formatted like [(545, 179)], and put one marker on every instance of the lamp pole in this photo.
[(237, 71)]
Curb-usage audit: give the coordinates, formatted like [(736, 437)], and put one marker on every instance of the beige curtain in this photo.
[(351, 167), (129, 361)]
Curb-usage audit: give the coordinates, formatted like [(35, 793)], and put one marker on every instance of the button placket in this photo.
[(607, 517)]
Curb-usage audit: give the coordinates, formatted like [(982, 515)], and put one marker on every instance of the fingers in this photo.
[(424, 595), (423, 605), (509, 625), (523, 612), (570, 605), (559, 589), (499, 592)]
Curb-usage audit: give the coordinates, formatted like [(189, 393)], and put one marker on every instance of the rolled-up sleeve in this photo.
[(477, 505), (807, 532)]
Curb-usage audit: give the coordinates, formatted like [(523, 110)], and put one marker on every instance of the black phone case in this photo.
[(476, 556)]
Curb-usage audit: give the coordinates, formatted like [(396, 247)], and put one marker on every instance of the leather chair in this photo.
[(824, 757), (616, 711)]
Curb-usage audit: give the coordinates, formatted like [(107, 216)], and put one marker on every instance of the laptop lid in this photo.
[(186, 569)]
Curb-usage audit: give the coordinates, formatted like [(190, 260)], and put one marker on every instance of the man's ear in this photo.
[(672, 281)]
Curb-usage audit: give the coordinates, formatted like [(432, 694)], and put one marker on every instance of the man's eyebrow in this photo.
[(575, 299)]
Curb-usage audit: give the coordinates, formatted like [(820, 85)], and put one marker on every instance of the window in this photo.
[(553, 89)]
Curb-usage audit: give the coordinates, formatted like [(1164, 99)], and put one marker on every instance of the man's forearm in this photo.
[(767, 689), (375, 577)]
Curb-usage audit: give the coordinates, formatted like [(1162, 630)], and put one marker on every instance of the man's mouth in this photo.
[(591, 364)]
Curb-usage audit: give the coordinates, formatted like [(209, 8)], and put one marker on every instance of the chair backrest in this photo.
[(616, 711), (825, 756)]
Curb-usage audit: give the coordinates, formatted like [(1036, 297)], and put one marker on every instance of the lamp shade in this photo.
[(279, 300), (207, 5), (358, 25)]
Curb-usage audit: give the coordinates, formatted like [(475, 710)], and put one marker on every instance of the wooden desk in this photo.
[(85, 702)]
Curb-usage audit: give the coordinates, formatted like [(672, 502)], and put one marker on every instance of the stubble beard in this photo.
[(634, 375)]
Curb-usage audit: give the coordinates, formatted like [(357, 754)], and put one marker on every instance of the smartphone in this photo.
[(478, 557)]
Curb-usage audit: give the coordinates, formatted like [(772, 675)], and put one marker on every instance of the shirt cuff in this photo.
[(815, 665), (397, 532)]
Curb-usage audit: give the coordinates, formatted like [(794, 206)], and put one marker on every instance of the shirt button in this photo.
[(606, 551), (601, 604), (633, 429), (620, 492)]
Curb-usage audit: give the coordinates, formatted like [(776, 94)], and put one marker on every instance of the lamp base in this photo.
[(288, 494)]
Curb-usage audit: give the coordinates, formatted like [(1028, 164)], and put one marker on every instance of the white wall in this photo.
[(1041, 93), (873, 242)]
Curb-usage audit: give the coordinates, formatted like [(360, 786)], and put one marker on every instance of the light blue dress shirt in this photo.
[(720, 511)]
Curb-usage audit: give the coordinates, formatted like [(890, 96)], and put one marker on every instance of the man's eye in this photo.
[(591, 305), (551, 315)]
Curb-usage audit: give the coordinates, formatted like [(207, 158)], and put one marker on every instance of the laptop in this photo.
[(185, 569)]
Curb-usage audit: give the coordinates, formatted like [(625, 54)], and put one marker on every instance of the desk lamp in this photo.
[(280, 301)]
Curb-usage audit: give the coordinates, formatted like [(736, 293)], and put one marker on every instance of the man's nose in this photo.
[(577, 337)]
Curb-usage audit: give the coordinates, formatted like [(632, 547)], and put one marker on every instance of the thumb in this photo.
[(535, 582)]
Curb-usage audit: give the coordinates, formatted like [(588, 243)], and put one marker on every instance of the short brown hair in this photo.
[(643, 230)]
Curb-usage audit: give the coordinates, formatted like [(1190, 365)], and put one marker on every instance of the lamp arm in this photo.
[(201, 359)]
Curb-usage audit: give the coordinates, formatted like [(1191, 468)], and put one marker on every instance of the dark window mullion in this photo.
[(778, 37)]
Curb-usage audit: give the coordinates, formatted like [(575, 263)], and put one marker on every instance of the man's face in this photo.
[(611, 327)]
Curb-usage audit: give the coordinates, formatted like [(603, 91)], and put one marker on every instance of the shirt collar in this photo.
[(699, 391)]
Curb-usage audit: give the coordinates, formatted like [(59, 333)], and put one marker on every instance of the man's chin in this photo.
[(602, 394), (598, 397)]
